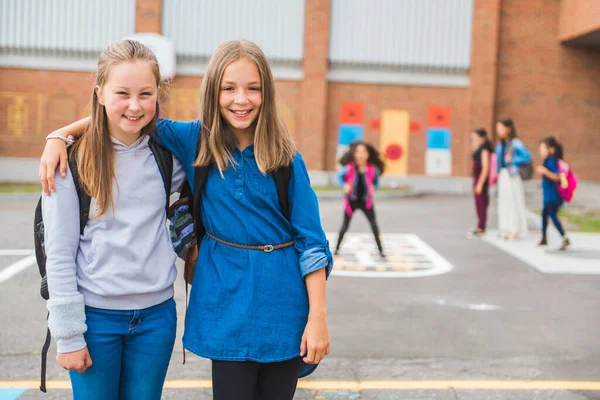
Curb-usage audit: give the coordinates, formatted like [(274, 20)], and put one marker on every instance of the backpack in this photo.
[(164, 159), (568, 181), (493, 176)]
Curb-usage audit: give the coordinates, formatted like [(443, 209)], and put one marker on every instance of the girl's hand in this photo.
[(79, 360), (478, 189), (541, 169), (315, 340), (347, 188), (55, 153)]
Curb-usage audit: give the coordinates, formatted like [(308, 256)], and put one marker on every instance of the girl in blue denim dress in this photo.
[(259, 316)]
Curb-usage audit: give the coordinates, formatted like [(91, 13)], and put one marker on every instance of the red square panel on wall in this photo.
[(438, 117), (352, 113)]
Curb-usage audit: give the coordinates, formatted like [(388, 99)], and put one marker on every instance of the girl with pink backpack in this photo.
[(552, 153), (359, 177)]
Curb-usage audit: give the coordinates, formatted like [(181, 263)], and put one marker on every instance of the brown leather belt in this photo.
[(266, 248)]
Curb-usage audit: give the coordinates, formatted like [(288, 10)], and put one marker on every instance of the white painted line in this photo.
[(17, 267), (20, 252), (365, 259)]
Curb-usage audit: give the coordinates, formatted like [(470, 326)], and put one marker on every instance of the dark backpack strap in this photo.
[(200, 176), (282, 176), (164, 159), (44, 359), (84, 199)]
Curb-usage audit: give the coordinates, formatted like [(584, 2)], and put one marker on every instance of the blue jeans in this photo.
[(130, 351), (551, 211)]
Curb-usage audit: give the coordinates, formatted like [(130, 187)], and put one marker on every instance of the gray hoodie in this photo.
[(123, 261)]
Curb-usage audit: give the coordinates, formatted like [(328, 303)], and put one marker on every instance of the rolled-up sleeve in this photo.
[(311, 244)]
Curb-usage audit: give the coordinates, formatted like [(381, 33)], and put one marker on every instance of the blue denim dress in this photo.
[(248, 305)]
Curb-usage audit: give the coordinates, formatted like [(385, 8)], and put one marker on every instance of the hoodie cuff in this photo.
[(70, 344)]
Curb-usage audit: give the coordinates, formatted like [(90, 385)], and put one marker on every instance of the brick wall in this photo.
[(33, 103), (416, 101), (578, 17), (547, 88), (519, 69)]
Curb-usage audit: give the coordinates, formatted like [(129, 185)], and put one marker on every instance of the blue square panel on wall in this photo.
[(350, 133), (438, 138)]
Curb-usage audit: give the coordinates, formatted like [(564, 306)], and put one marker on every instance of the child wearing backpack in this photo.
[(359, 177), (482, 165), (257, 306), (110, 285), (552, 153)]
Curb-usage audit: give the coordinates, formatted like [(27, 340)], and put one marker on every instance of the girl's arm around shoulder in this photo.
[(311, 244), (60, 213), (180, 138)]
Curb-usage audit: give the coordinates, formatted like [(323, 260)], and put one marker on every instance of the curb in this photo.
[(534, 221)]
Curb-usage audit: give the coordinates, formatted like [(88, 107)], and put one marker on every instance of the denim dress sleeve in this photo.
[(521, 154), (341, 176), (311, 244), (181, 139)]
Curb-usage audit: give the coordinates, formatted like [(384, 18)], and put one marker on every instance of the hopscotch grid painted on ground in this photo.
[(407, 256)]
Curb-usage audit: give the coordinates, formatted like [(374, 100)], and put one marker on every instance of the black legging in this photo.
[(370, 213), (248, 380)]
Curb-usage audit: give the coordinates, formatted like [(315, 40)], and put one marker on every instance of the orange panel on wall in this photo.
[(438, 117), (352, 113)]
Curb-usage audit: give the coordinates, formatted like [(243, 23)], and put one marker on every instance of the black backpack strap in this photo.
[(282, 176), (200, 176), (84, 199), (44, 359), (164, 159)]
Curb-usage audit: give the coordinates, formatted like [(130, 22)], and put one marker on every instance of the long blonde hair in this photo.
[(273, 145), (94, 152)]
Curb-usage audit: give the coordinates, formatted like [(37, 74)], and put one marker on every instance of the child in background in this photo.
[(481, 170), (359, 177), (511, 154), (551, 151)]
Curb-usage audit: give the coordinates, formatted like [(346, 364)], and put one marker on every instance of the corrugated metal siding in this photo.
[(197, 27), (49, 33), (426, 39)]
